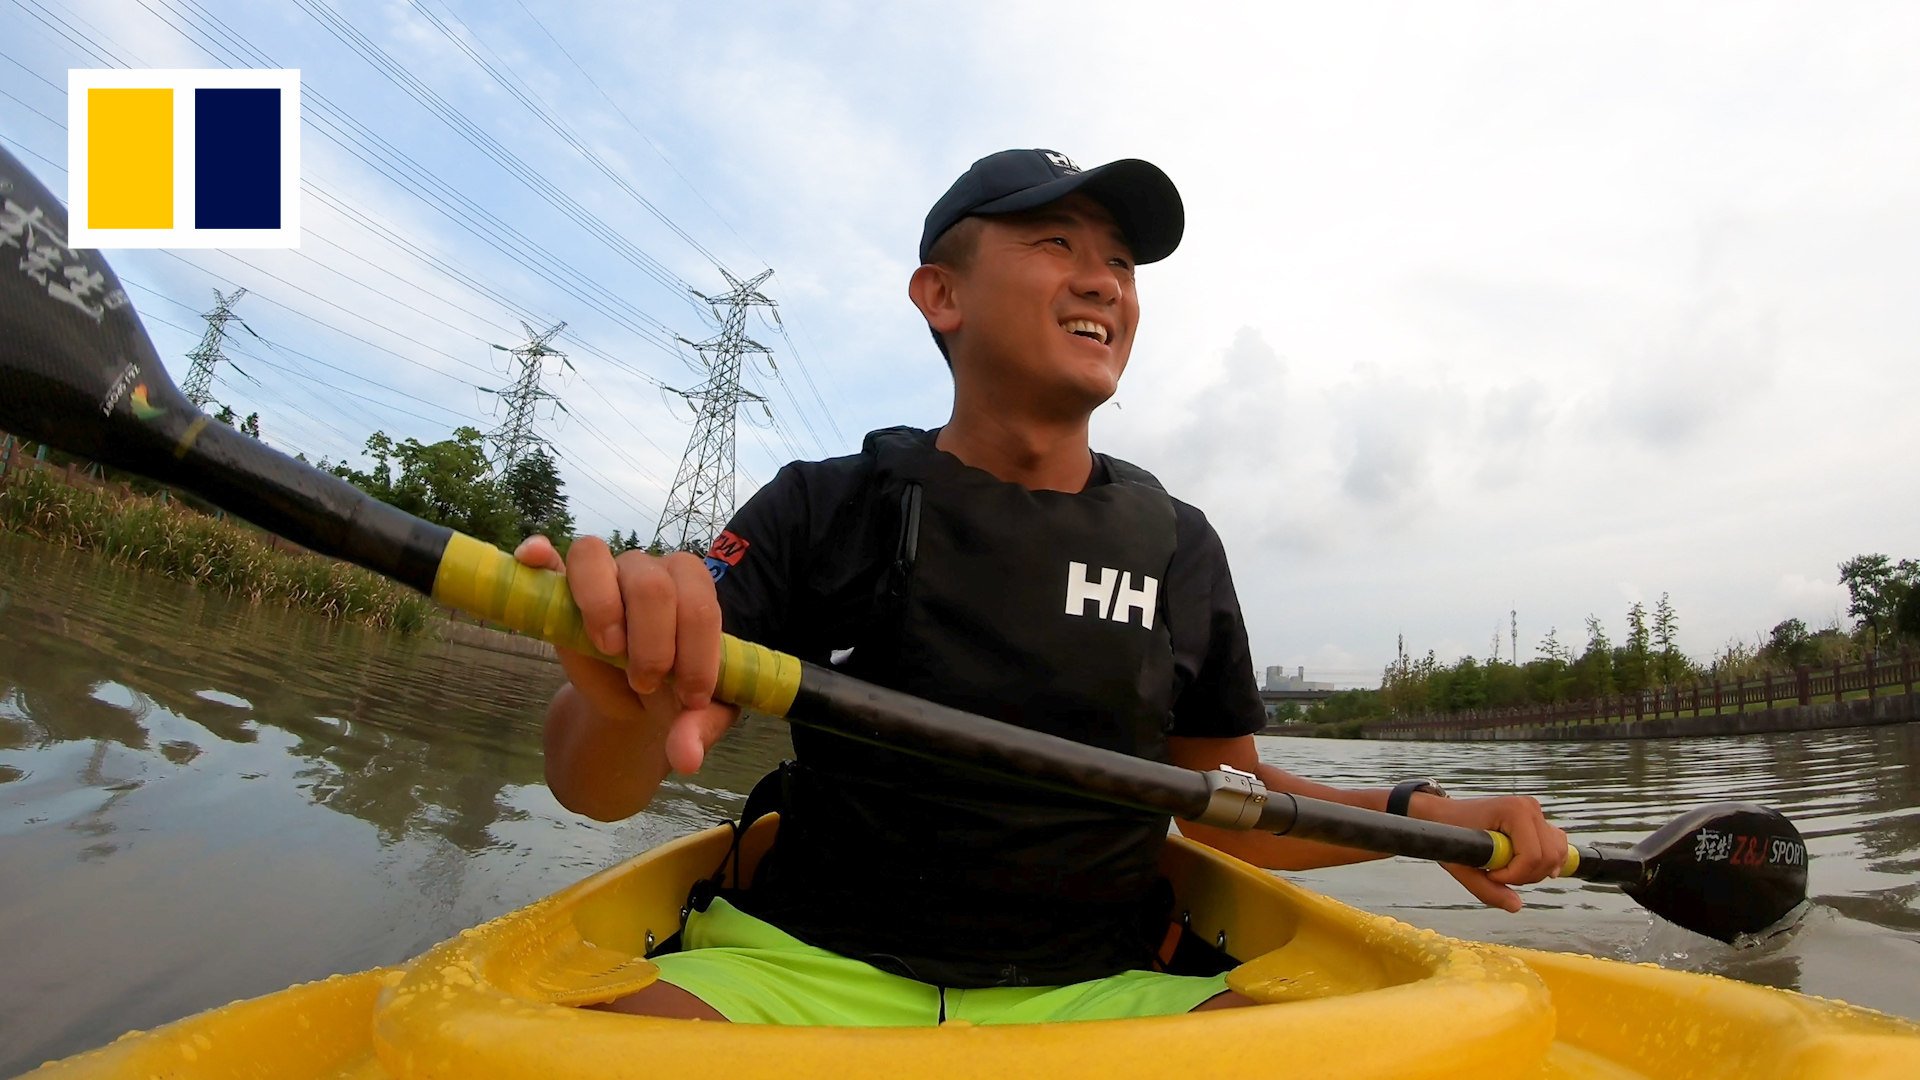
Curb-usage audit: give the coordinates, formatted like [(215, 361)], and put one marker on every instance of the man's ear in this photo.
[(933, 290)]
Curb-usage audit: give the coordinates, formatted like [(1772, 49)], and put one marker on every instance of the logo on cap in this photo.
[(1060, 160)]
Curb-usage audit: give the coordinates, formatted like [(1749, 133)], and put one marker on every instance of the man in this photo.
[(996, 565)]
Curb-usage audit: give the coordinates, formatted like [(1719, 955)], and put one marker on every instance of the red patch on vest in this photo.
[(728, 548)]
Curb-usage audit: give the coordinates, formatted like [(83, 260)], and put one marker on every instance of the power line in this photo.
[(42, 158), (63, 30), (794, 346), (655, 147), (600, 480), (534, 179), (33, 110), (425, 184), (387, 405), (537, 105), (613, 448), (35, 74), (622, 414), (308, 357), (323, 323), (245, 391)]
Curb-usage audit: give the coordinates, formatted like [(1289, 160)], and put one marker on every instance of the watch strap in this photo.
[(1401, 797)]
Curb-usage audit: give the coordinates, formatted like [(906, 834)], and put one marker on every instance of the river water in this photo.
[(203, 800)]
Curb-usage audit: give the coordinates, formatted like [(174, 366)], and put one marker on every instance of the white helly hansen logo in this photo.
[(1113, 595)]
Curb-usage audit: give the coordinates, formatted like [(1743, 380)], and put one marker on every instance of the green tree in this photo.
[(1635, 660), (1593, 672), (1465, 686), (1669, 667), (1876, 588), (224, 414), (251, 425), (1906, 614), (1550, 674), (534, 487), (1507, 686), (628, 542), (1788, 643), (448, 482)]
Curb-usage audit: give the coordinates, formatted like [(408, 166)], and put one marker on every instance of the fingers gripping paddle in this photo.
[(77, 371)]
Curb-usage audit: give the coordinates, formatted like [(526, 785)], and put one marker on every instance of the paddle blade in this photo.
[(1727, 871), (76, 368)]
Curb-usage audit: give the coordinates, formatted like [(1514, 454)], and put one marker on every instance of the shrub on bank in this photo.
[(143, 532)]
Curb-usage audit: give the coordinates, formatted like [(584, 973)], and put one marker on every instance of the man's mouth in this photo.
[(1086, 328)]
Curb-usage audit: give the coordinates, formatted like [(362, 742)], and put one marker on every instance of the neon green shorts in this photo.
[(752, 972)]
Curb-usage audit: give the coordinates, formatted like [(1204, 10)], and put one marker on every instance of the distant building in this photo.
[(1278, 679)]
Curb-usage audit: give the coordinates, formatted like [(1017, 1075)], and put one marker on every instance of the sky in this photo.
[(1486, 312)]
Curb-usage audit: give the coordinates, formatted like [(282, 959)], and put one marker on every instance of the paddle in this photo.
[(78, 371)]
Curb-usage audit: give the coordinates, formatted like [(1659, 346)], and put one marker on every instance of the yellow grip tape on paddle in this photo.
[(484, 581), (1502, 850), (756, 677), (1503, 854)]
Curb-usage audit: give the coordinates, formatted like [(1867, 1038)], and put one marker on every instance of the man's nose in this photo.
[(1095, 278)]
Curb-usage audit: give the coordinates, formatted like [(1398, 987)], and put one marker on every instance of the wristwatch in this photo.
[(1402, 794)]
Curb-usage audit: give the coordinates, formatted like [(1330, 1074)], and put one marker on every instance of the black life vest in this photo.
[(1040, 608)]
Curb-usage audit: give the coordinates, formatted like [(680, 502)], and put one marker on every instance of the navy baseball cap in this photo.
[(1143, 202)]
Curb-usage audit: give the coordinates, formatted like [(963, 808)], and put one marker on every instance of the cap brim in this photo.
[(1141, 198)]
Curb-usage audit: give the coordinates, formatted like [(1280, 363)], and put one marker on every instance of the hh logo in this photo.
[(1113, 594)]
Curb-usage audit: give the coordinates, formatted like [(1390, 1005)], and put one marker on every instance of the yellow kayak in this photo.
[(1343, 993)]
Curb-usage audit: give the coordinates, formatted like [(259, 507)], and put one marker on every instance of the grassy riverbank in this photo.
[(163, 538)]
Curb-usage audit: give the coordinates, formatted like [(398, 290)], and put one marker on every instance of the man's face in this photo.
[(1048, 306)]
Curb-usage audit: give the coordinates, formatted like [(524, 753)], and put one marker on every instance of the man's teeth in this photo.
[(1086, 326)]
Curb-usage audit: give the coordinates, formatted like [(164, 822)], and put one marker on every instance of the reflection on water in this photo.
[(202, 800)]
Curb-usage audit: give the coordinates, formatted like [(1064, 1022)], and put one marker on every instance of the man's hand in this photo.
[(612, 735), (1539, 849)]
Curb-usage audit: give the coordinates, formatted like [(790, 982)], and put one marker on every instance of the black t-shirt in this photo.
[(800, 570)]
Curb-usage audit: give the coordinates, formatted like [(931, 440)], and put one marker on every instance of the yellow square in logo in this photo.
[(130, 158)]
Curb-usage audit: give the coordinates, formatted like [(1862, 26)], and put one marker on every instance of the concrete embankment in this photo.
[(486, 637), (1895, 708)]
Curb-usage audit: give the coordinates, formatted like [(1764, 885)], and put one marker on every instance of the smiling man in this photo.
[(996, 565)]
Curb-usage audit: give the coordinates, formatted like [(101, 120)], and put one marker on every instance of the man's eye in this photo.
[(1061, 240), (1121, 264)]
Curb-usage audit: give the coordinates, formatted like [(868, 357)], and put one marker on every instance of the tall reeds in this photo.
[(141, 531)]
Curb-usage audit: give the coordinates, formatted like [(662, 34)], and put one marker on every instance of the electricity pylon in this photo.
[(207, 354), (701, 499), (515, 435)]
